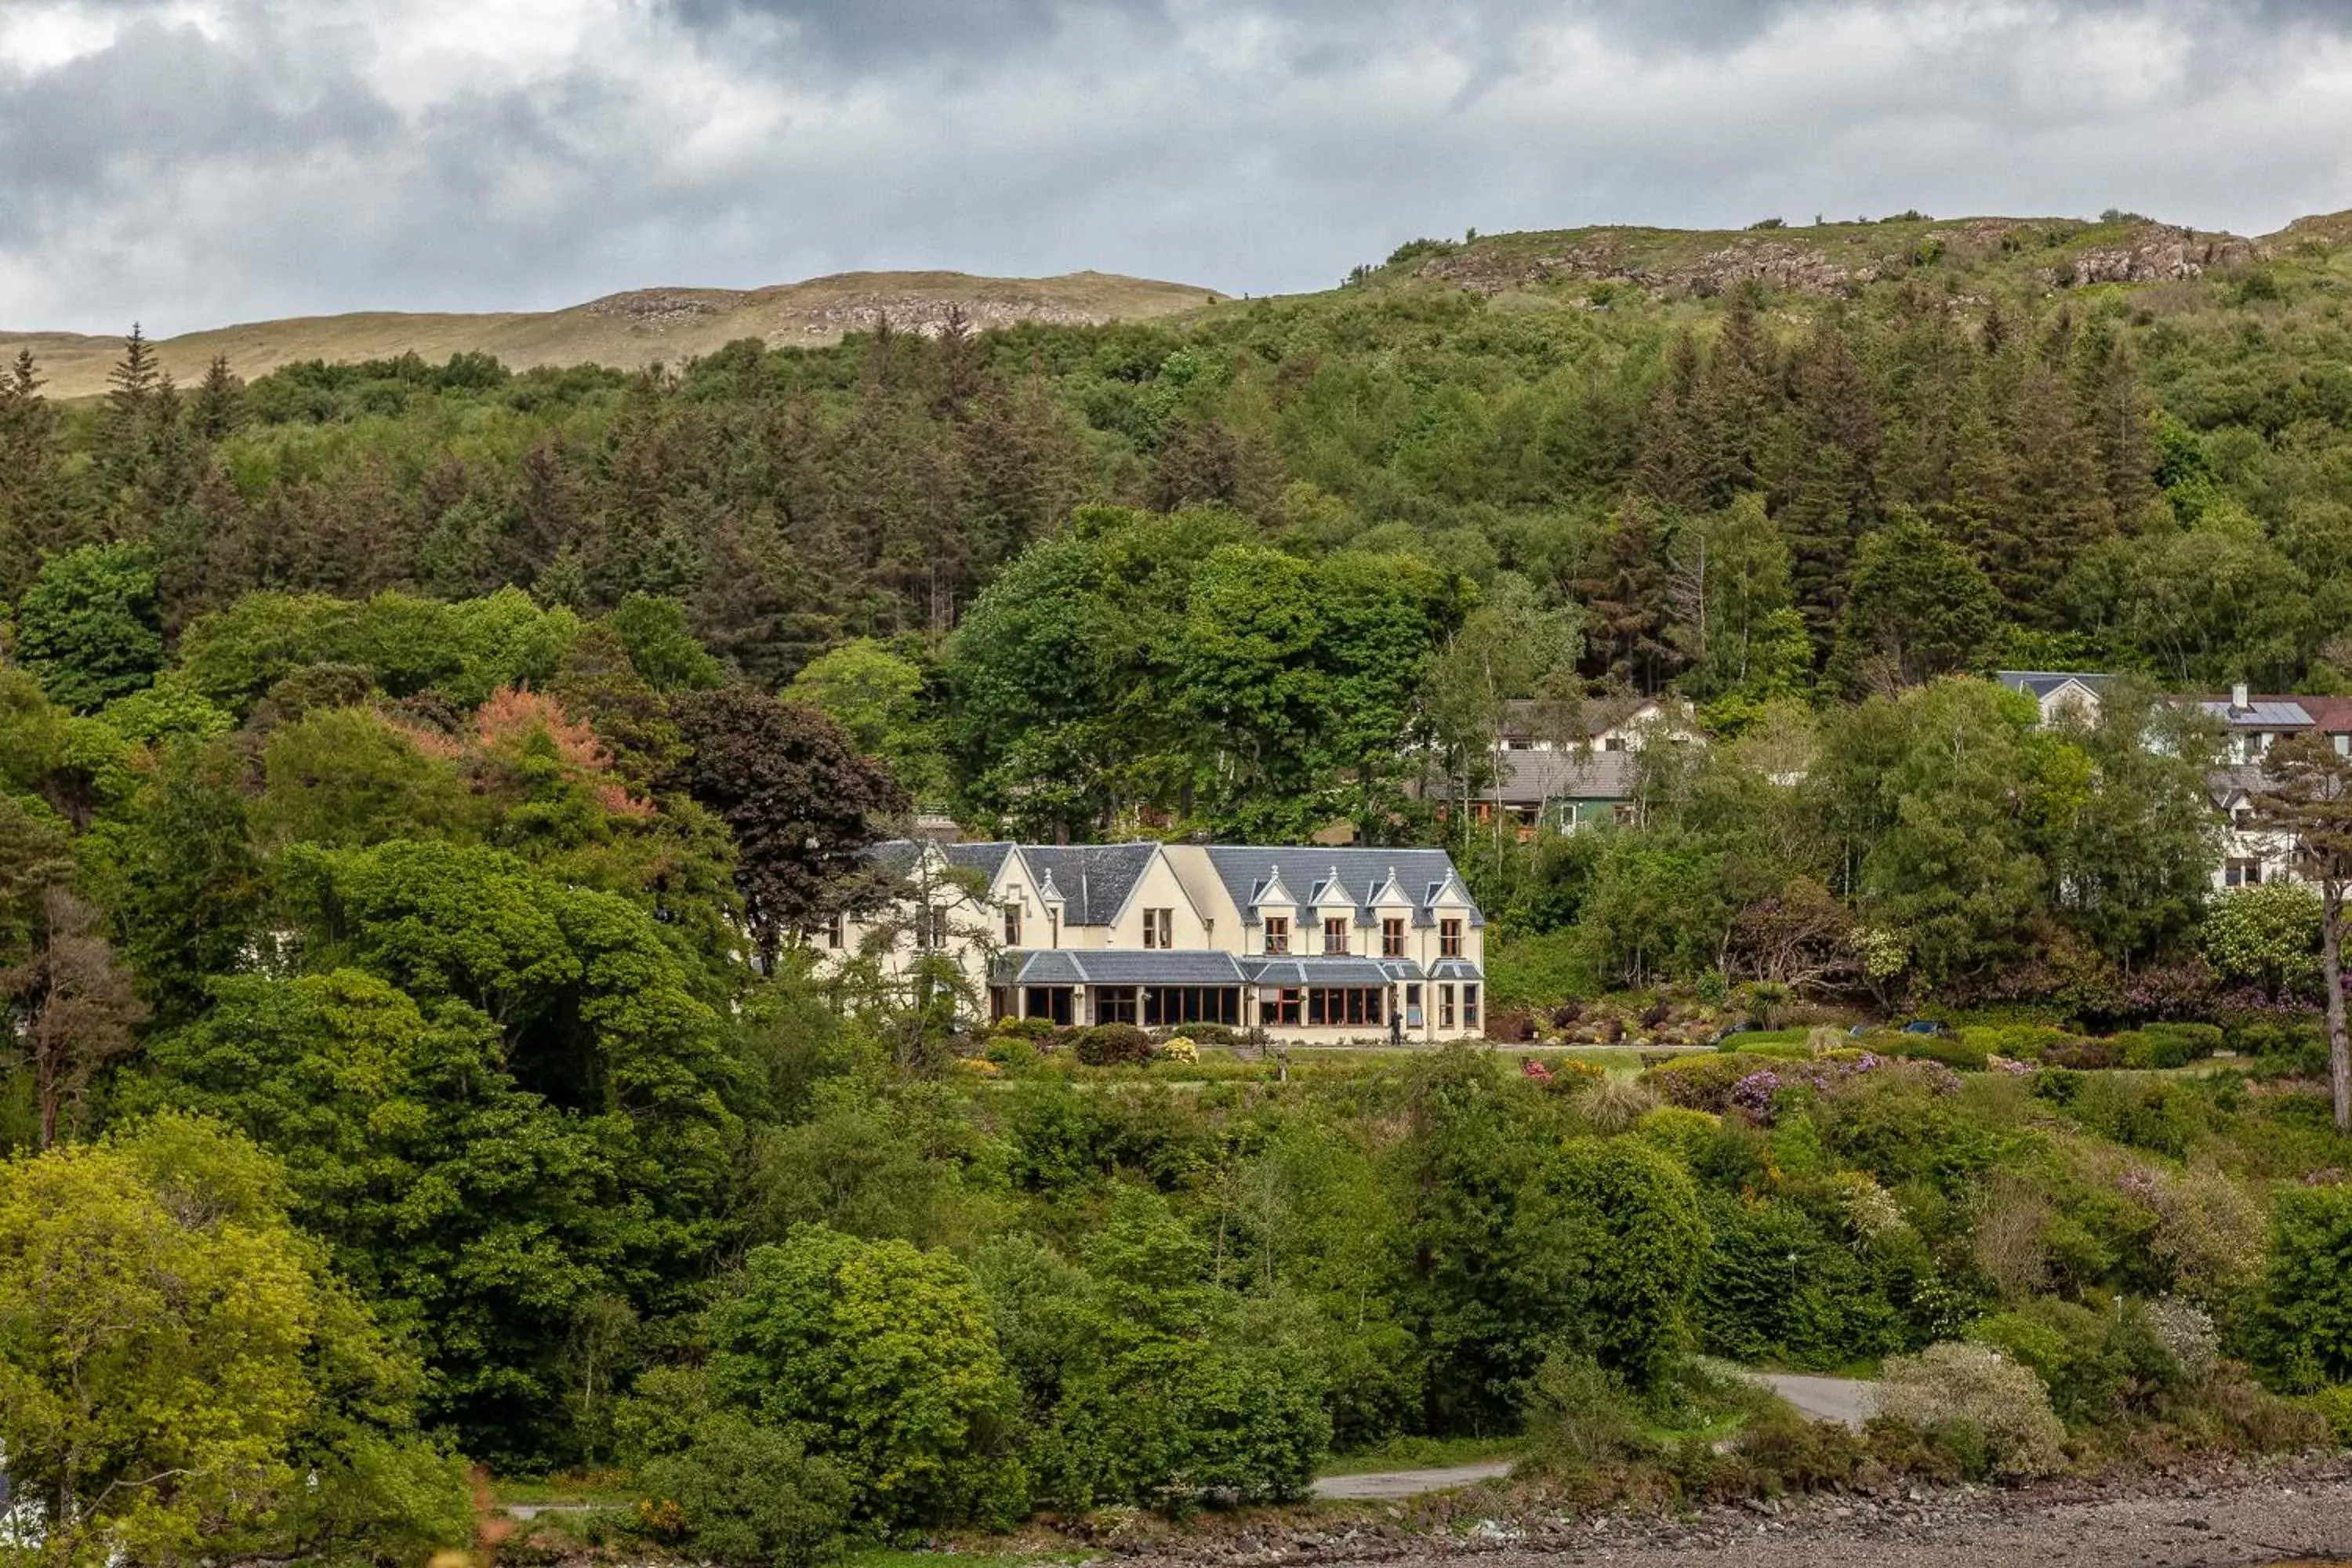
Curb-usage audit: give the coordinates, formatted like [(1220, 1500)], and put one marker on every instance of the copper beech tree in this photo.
[(2306, 801)]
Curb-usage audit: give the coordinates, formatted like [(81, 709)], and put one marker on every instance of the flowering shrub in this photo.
[(1964, 1390), (1753, 1094)]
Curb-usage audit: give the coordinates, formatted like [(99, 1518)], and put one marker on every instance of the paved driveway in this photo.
[(1382, 1484), (1849, 1400)]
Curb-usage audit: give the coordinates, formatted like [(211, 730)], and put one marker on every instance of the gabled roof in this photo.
[(1245, 870), (1330, 892), (2041, 683), (1388, 893), (900, 856), (1094, 879)]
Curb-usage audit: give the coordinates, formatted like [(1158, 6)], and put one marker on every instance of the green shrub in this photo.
[(2301, 1332), (1679, 1130), (1964, 1393), (2334, 1404), (2017, 1042), (744, 1495), (1208, 1033), (1108, 1045), (883, 1357), (1026, 1028), (1701, 1082), (2167, 1045), (1579, 1419), (1960, 1055)]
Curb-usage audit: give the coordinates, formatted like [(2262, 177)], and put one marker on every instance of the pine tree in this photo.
[(220, 401), (2116, 410), (1628, 601), (124, 431), (1677, 447), (32, 508), (1736, 402), (1831, 496)]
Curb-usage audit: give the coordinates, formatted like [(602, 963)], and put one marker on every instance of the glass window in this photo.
[(1335, 935), (1114, 1003), (1049, 1002), (1159, 928), (1449, 939), (1392, 939), (1445, 1006), (2242, 872), (1013, 925), (1412, 1005), (1278, 934), (1279, 1006), (834, 931), (1469, 1007)]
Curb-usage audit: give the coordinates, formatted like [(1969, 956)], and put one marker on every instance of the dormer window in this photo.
[(1278, 934), (1449, 938), (1335, 935), (1392, 938)]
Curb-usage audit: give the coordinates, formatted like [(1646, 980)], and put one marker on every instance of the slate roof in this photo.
[(1315, 971), (1455, 969), (898, 856), (2258, 713), (1245, 869), (2040, 683), (1118, 966), (1094, 879)]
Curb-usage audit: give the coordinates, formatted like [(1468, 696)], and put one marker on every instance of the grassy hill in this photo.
[(630, 329), (1834, 259)]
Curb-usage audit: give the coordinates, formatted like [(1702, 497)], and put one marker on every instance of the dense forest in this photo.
[(413, 780)]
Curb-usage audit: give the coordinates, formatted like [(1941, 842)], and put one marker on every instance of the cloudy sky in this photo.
[(197, 162)]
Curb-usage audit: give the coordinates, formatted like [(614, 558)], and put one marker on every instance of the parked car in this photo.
[(1932, 1028), (1724, 1033)]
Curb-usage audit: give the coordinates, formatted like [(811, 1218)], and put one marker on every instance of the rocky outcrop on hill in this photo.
[(1835, 261), (2160, 253)]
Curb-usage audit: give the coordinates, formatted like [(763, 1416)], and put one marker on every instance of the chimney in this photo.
[(2239, 699)]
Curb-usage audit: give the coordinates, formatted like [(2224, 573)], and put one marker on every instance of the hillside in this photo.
[(1841, 258), (631, 330)]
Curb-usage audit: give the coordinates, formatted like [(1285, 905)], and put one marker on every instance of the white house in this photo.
[(1308, 942)]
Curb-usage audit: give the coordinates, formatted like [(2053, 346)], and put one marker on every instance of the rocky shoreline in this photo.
[(2223, 1515)]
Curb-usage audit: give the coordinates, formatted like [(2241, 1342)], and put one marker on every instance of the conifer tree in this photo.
[(1830, 493), (220, 401), (2121, 423), (132, 388), (1628, 600), (1736, 401), (1676, 450), (32, 510)]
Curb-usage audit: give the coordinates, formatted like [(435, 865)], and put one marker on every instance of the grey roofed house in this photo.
[(1094, 879), (1244, 870)]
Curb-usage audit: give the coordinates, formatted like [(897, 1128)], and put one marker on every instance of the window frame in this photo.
[(1334, 934), (1277, 933), (1449, 937)]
